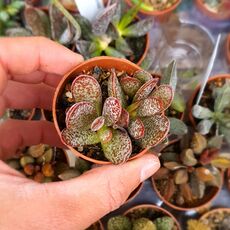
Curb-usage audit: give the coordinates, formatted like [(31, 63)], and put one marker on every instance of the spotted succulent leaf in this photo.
[(80, 115), (119, 148), (136, 128), (122, 45), (111, 111), (114, 88), (86, 88), (143, 76), (165, 94), (149, 107), (110, 51), (105, 134), (124, 119), (75, 137), (145, 90), (98, 123), (156, 130), (130, 85)]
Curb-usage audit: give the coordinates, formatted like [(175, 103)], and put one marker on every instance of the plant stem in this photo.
[(68, 16)]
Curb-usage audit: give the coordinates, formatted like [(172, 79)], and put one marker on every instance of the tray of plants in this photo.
[(136, 93)]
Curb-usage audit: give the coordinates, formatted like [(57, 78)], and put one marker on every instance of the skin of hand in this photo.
[(30, 69)]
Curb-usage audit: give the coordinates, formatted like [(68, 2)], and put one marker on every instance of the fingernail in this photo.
[(150, 167)]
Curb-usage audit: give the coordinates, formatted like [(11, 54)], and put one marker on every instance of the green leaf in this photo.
[(4, 16), (130, 85), (110, 51), (215, 142), (177, 127), (226, 132), (117, 15), (204, 126), (201, 112), (143, 76), (14, 8), (170, 75), (86, 27), (122, 46), (178, 103), (148, 60), (139, 29)]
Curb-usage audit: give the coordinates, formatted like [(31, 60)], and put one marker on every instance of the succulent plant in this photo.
[(164, 223), (131, 113), (218, 6), (189, 168), (111, 32), (197, 225), (218, 114), (119, 223), (143, 224)]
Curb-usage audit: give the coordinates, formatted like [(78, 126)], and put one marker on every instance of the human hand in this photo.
[(30, 69)]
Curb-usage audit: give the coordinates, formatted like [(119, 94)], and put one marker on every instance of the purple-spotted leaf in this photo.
[(119, 149), (87, 88), (122, 45), (75, 137), (136, 128), (149, 107), (156, 130), (143, 76), (145, 90), (130, 85), (80, 115), (165, 94), (103, 18), (97, 123), (105, 134), (114, 88), (111, 111), (124, 119)]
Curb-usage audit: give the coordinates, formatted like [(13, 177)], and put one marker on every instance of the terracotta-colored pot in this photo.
[(156, 209), (134, 193), (215, 16), (228, 48), (192, 98), (104, 62), (213, 192), (162, 15), (96, 226)]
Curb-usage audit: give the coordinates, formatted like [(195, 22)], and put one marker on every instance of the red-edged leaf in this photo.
[(97, 123), (142, 76), (119, 149), (114, 88), (165, 94), (130, 85), (80, 115), (86, 88), (156, 130), (124, 119), (105, 134), (136, 128), (149, 107), (145, 90), (111, 111), (76, 137)]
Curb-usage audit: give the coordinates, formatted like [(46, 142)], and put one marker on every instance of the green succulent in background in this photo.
[(109, 33), (8, 13), (119, 223), (218, 116)]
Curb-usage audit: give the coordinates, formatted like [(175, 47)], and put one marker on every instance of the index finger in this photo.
[(19, 56)]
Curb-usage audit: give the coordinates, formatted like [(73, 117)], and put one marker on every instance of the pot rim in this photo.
[(122, 62), (156, 12), (228, 48), (205, 215), (156, 208)]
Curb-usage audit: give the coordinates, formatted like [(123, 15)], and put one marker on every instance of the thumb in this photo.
[(104, 189)]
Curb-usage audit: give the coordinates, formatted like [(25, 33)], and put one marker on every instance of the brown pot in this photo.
[(104, 62), (228, 48), (155, 208), (192, 98), (162, 15), (213, 192), (215, 16)]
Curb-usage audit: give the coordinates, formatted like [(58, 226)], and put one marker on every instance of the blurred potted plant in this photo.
[(228, 48), (21, 114)]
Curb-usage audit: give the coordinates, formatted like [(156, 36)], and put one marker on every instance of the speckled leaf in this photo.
[(102, 19), (177, 127), (119, 149), (97, 123), (172, 165), (188, 158), (76, 138), (148, 60), (197, 186), (156, 130), (201, 112), (165, 94), (86, 88), (83, 48), (114, 88), (221, 162), (80, 115), (149, 107), (181, 176), (117, 15), (162, 173), (136, 128), (110, 51), (145, 90), (37, 21), (124, 119), (86, 27), (204, 174), (122, 45), (112, 32), (18, 32), (143, 76), (111, 111), (139, 28), (130, 85)]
